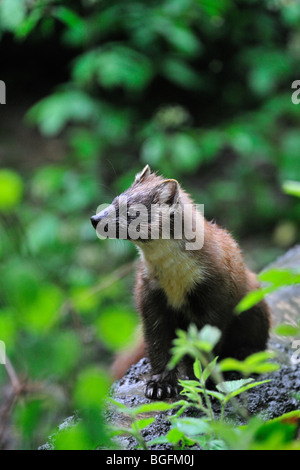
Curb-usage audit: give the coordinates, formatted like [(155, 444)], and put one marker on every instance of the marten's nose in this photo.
[(95, 219)]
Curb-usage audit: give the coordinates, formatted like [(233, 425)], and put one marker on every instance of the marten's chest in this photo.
[(175, 270)]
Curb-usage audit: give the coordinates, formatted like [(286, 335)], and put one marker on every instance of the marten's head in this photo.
[(138, 213)]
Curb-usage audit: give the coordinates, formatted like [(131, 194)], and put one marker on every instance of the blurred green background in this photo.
[(200, 90)]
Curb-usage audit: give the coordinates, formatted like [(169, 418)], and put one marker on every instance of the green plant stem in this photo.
[(207, 401), (138, 436)]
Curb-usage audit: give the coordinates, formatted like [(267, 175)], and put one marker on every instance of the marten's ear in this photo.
[(167, 192), (143, 174)]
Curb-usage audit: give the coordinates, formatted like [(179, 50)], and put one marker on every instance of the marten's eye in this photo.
[(132, 214)]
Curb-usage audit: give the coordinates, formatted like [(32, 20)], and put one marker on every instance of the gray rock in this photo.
[(67, 423)]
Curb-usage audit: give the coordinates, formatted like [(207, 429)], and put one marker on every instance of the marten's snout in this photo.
[(95, 219)]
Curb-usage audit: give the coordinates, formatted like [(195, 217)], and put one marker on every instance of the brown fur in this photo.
[(175, 287)]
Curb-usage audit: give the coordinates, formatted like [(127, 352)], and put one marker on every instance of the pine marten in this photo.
[(176, 286)]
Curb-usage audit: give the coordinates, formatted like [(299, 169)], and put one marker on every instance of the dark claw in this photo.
[(160, 389), (149, 391)]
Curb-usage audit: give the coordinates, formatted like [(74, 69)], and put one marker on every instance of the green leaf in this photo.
[(174, 436), (215, 9), (260, 357), (21, 282), (191, 426), (255, 364), (84, 299), (190, 383), (54, 112), (290, 141), (230, 386), (67, 16), (43, 233), (12, 14), (190, 386), (244, 389), (29, 23), (28, 416), (66, 352), (48, 181), (144, 422), (156, 406), (251, 299), (209, 369), (220, 396), (91, 388), (118, 403), (181, 38), (11, 190), (119, 431), (185, 151), (280, 277), (8, 327), (181, 73), (292, 188), (266, 74), (160, 440), (291, 415), (197, 369), (230, 363), (123, 66), (286, 330), (153, 149), (264, 368), (116, 326), (42, 313), (209, 336), (210, 143), (176, 357), (193, 342), (73, 438)]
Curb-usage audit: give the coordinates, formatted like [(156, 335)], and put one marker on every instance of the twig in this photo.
[(14, 380), (116, 275), (5, 417), (18, 390)]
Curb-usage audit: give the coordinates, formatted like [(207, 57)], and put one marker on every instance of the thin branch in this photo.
[(18, 389), (115, 276), (14, 380)]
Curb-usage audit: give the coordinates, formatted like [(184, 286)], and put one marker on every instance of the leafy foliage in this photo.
[(200, 90)]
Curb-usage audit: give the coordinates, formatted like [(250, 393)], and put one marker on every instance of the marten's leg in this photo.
[(159, 324), (247, 333)]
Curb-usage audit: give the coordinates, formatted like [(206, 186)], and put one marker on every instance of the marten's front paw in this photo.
[(160, 387)]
